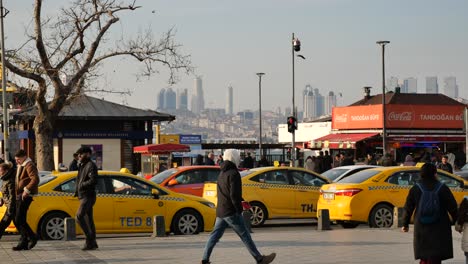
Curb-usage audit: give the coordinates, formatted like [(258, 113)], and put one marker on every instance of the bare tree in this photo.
[(75, 43)]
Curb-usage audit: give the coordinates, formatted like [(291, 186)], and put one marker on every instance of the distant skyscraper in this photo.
[(451, 87), (229, 101), (330, 102), (198, 101), (431, 85), (410, 85), (313, 102), (170, 101), (162, 99), (392, 82), (182, 99), (308, 108)]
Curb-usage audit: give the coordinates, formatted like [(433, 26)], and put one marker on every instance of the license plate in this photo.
[(329, 196), (210, 193)]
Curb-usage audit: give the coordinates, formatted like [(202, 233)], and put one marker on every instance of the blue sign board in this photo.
[(190, 139)]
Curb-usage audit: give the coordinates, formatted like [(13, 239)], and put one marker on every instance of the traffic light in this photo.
[(292, 124)]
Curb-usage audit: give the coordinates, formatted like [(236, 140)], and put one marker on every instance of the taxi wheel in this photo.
[(52, 226), (259, 214), (381, 216), (187, 222)]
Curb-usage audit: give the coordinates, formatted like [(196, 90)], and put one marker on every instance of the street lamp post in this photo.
[(382, 43), (295, 47), (4, 84), (260, 74)]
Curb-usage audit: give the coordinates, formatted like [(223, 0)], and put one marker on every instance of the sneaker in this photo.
[(20, 247), (205, 262), (267, 259)]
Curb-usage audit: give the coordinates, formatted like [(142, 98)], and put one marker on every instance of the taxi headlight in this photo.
[(209, 204)]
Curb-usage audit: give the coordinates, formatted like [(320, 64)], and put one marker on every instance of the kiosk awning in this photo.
[(161, 148), (341, 141)]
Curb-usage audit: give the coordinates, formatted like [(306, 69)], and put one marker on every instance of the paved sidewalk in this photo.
[(292, 245)]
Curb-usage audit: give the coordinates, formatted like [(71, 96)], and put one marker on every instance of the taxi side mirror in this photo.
[(172, 182), (155, 193)]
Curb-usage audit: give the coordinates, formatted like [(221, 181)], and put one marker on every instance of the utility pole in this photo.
[(3, 13)]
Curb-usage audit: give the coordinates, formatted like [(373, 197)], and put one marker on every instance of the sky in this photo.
[(230, 41)]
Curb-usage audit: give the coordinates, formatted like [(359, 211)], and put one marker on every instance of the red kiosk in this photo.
[(157, 157)]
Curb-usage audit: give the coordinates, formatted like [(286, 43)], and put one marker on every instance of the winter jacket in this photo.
[(86, 180), (445, 167), (8, 190), (431, 240), (229, 188), (27, 177)]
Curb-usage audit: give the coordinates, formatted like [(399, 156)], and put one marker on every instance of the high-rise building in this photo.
[(170, 101), (431, 85), (229, 101), (182, 99), (313, 102), (330, 102), (161, 99), (451, 87), (198, 101), (308, 108), (392, 82), (410, 85)]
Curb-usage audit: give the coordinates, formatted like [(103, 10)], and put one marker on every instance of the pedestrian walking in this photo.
[(370, 160), (210, 159), (444, 165), (86, 182), (74, 163), (309, 164), (430, 200), (409, 161), (327, 161), (229, 210), (462, 225), (8, 199), (199, 160), (26, 185), (248, 161)]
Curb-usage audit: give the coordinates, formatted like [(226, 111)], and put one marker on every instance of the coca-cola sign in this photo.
[(343, 118), (400, 116)]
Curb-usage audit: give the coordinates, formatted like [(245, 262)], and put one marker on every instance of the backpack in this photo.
[(429, 205)]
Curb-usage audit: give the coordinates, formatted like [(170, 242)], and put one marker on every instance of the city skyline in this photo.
[(338, 41)]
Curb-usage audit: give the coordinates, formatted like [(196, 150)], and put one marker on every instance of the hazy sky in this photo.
[(232, 40)]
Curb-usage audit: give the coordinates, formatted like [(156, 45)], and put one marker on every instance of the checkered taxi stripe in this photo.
[(404, 187), (282, 186), (64, 194)]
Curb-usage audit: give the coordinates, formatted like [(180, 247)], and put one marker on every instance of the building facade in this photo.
[(431, 85), (451, 87)]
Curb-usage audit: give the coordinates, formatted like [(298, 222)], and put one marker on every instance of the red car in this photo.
[(187, 179)]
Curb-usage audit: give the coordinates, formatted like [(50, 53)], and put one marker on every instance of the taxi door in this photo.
[(454, 184), (399, 184), (134, 204), (103, 210), (273, 190), (192, 181), (306, 193)]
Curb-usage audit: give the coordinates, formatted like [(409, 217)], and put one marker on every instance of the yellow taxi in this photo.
[(369, 196), (277, 192), (125, 203)]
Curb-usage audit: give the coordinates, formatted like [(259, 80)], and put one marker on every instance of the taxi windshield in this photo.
[(246, 173), (45, 179), (160, 177), (360, 176), (334, 173)]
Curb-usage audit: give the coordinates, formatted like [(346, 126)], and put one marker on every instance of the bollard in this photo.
[(159, 226), (397, 217), (246, 214), (323, 220), (70, 229)]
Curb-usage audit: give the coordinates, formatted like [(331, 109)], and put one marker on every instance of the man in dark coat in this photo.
[(248, 161), (444, 165), (432, 242), (86, 182), (7, 175), (210, 159), (327, 161), (229, 209), (74, 163)]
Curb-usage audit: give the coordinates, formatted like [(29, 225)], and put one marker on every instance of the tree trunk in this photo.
[(43, 130)]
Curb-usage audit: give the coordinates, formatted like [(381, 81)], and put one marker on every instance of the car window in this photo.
[(304, 178), (70, 186), (274, 177), (130, 186), (190, 177), (160, 177), (212, 175), (449, 181), (404, 178), (45, 179), (334, 173), (360, 176)]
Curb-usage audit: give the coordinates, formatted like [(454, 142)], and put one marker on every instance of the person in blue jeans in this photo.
[(229, 210)]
